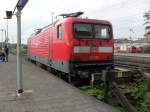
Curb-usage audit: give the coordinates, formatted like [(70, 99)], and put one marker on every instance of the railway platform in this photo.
[(44, 92)]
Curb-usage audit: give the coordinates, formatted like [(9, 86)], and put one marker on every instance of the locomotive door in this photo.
[(50, 38)]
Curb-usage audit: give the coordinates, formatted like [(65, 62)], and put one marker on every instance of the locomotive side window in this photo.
[(82, 30), (102, 31), (59, 31)]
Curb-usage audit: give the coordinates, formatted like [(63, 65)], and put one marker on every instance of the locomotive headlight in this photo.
[(105, 49), (81, 49)]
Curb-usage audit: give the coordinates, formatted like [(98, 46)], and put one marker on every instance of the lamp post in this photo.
[(19, 57), (19, 6)]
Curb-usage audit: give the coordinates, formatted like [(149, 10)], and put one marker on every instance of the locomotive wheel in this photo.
[(49, 69), (32, 61), (59, 75), (75, 80), (44, 67), (63, 76), (69, 78), (40, 65)]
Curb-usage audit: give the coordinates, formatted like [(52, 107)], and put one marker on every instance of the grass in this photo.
[(98, 92), (137, 92)]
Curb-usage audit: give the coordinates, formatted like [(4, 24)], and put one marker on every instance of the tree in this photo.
[(147, 25)]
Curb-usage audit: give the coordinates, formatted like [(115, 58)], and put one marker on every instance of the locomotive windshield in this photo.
[(102, 31), (83, 30)]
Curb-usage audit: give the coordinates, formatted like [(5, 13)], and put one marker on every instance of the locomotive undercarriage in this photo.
[(79, 72)]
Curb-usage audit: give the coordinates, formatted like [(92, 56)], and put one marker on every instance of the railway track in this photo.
[(133, 61), (133, 65)]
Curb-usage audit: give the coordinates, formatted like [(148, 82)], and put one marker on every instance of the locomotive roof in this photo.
[(72, 19)]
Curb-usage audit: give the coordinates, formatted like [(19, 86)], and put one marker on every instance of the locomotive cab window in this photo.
[(102, 31), (82, 30), (59, 31)]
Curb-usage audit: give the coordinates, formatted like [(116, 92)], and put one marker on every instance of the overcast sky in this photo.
[(123, 14)]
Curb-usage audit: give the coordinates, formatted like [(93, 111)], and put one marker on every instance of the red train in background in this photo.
[(74, 46)]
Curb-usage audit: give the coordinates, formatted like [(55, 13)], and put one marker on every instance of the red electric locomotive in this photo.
[(74, 46)]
